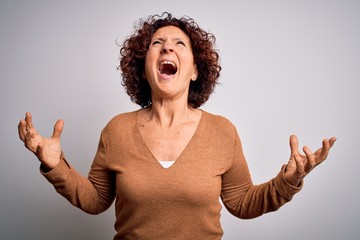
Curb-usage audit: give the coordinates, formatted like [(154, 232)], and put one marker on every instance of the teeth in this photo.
[(168, 62)]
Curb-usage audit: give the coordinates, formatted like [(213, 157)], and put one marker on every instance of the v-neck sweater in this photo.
[(179, 202)]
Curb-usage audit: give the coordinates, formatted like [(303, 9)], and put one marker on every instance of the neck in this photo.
[(169, 113)]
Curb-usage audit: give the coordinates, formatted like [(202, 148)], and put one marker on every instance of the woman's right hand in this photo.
[(47, 150)]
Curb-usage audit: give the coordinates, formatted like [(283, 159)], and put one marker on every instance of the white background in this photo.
[(288, 67)]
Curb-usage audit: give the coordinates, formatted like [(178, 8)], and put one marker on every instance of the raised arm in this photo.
[(246, 200), (47, 150), (92, 195)]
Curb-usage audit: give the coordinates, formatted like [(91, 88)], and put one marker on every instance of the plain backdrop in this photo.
[(288, 67)]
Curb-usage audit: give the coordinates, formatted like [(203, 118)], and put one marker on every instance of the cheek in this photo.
[(190, 65), (189, 58)]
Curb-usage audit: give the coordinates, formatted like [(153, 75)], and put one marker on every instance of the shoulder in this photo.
[(122, 121), (219, 125), (218, 121)]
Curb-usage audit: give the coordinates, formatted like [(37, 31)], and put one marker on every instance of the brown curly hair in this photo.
[(133, 52)]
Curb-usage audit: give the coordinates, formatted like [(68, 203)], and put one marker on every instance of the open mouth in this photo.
[(167, 67)]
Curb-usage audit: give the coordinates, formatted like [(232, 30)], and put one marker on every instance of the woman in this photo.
[(168, 163)]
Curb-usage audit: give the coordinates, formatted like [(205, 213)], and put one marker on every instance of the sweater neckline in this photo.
[(188, 145)]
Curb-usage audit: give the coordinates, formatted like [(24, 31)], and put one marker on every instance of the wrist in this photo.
[(291, 179)]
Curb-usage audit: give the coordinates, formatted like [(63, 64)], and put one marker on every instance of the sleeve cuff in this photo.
[(59, 173), (286, 189)]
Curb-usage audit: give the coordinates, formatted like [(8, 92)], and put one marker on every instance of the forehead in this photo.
[(170, 31)]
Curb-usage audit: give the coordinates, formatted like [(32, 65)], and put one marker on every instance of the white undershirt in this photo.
[(166, 164)]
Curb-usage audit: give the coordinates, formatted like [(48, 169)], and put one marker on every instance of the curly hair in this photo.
[(133, 52)]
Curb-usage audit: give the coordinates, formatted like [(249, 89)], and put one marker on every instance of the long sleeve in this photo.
[(244, 199), (180, 202), (93, 194)]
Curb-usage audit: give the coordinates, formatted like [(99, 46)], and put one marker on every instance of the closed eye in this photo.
[(181, 43), (156, 42)]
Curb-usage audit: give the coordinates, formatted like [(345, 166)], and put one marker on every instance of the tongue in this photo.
[(167, 69)]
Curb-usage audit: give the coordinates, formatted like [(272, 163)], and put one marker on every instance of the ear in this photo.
[(195, 73)]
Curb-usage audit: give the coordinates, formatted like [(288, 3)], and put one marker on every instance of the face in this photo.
[(169, 64)]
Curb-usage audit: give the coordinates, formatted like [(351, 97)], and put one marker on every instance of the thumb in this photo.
[(58, 128)]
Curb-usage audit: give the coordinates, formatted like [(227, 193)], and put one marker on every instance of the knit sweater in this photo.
[(179, 202)]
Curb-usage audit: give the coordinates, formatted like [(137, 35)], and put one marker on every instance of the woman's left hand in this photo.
[(300, 165)]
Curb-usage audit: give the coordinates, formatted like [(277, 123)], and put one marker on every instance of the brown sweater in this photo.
[(180, 202)]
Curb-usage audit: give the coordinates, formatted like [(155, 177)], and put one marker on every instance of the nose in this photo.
[(167, 48)]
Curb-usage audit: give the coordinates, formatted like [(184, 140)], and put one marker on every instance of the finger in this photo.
[(28, 120), (22, 130), (325, 149), (294, 145), (58, 127), (311, 160), (332, 141)]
